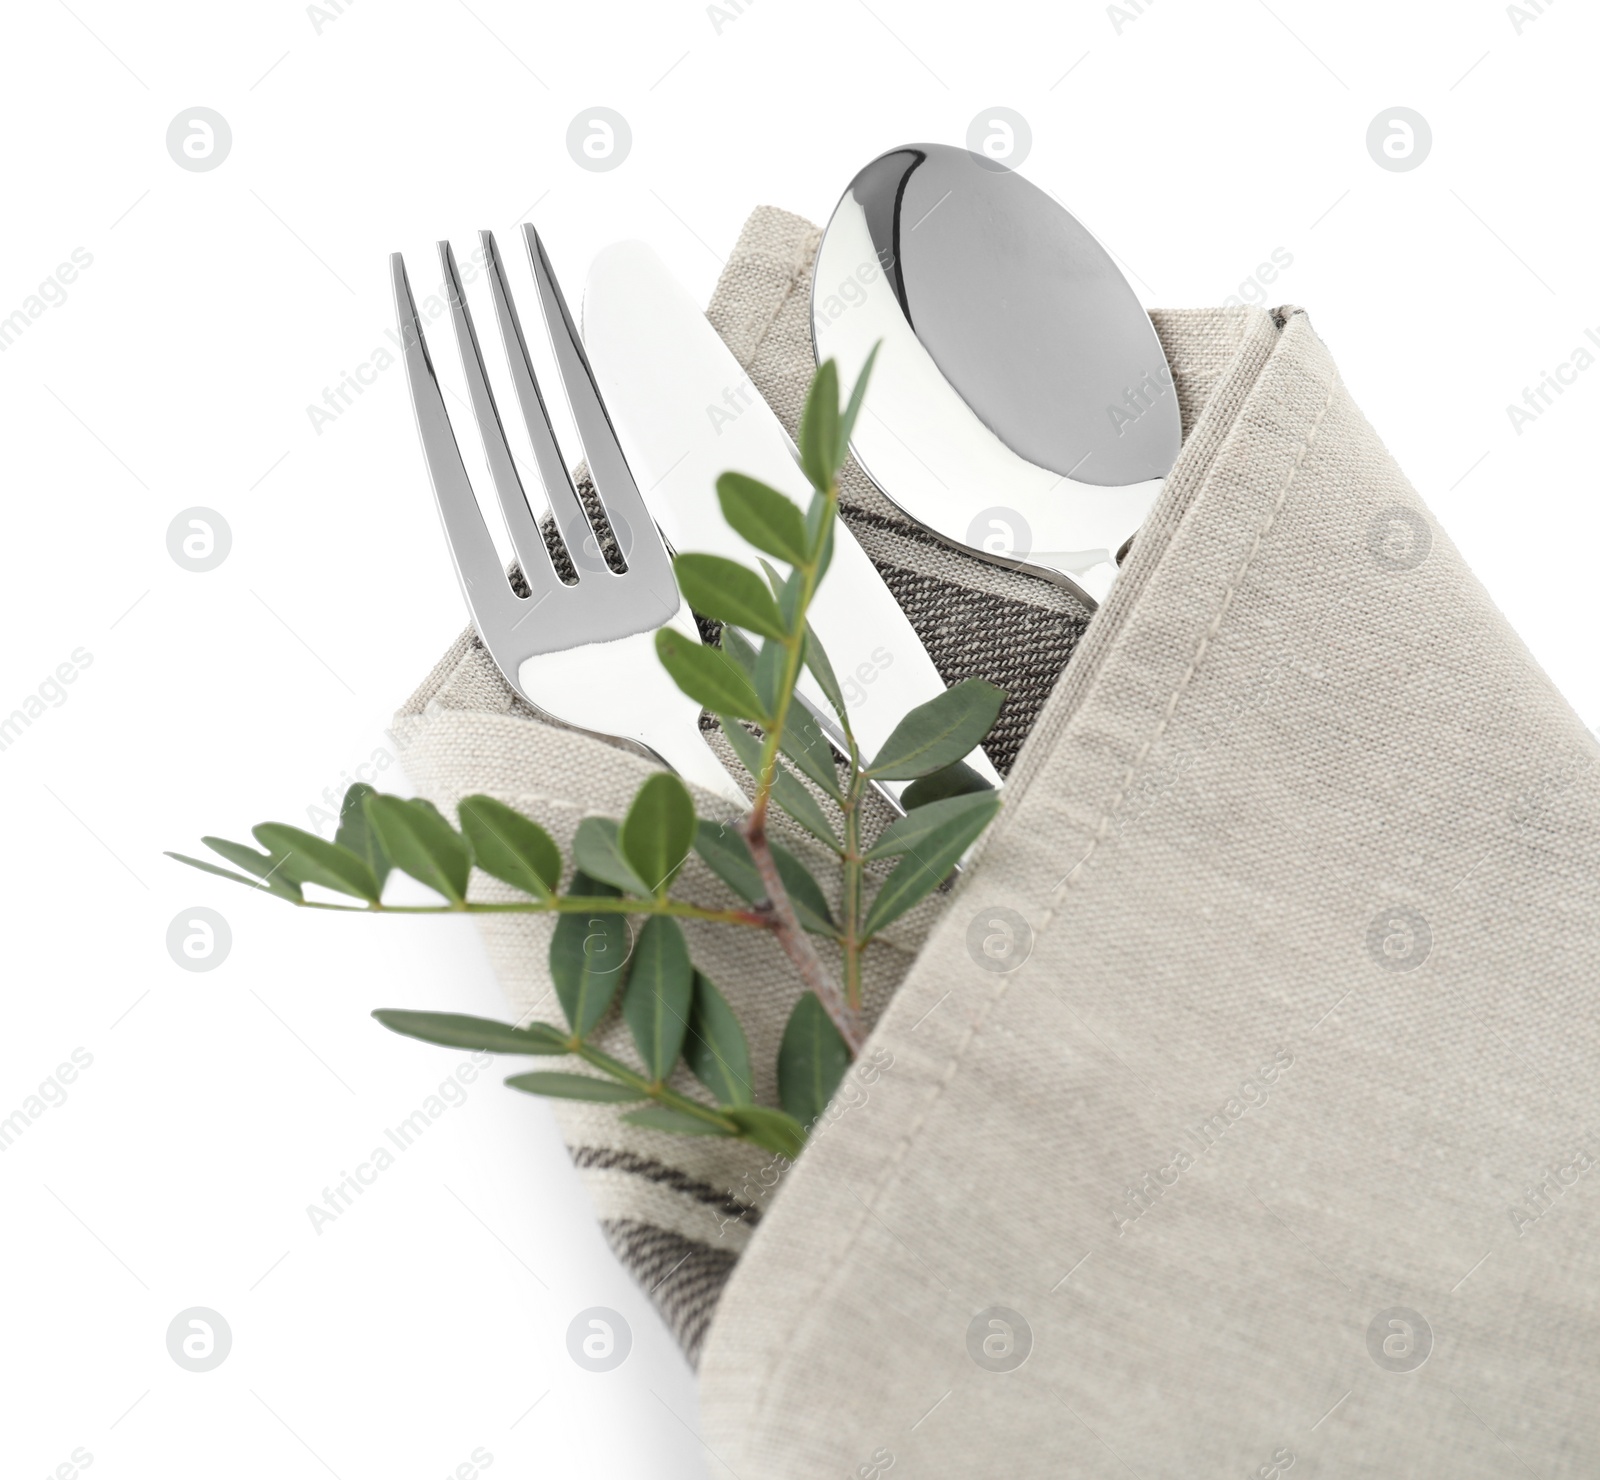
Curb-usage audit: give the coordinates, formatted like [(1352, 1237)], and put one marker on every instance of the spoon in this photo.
[(1021, 407)]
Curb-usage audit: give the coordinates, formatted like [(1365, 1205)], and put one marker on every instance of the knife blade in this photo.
[(686, 412)]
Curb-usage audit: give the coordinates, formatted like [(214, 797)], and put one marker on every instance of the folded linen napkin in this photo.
[(679, 1210), (1277, 1154)]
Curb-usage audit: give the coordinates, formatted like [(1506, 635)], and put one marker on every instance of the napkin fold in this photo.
[(1275, 1147)]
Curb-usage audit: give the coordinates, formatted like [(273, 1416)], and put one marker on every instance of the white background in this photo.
[(1195, 137)]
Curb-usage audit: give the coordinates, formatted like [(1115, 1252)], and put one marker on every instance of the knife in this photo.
[(686, 412)]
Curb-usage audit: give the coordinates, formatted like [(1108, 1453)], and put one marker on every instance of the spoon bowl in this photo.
[(1021, 406)]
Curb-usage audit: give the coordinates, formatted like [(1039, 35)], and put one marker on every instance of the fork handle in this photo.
[(697, 764), (620, 689)]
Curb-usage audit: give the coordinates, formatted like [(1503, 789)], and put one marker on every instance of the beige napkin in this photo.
[(1278, 1152)]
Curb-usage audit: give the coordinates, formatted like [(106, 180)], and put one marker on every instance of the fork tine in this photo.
[(483, 582), (532, 553), (629, 518), (570, 518)]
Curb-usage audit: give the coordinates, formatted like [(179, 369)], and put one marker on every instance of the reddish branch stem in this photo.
[(796, 943)]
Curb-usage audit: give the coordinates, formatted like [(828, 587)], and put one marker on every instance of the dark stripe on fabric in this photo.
[(683, 1279), (605, 1158), (973, 634)]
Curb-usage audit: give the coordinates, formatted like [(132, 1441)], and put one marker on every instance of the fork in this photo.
[(582, 653)]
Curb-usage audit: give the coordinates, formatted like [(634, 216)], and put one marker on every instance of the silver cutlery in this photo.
[(581, 652), (686, 411), (1021, 406)]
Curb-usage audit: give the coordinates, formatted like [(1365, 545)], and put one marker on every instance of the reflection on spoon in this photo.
[(1021, 407)]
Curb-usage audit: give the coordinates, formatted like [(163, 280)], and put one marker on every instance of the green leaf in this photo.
[(739, 647), (921, 872), (909, 882), (787, 790), (596, 850), (789, 599), (658, 831), (429, 808), (728, 857), (728, 592), (458, 1030), (787, 590), (707, 675), (678, 1122), (575, 1087), (767, 519), (825, 544), (805, 894), (421, 843), (660, 989), (286, 891), (308, 859), (265, 866), (956, 779), (811, 1060), (847, 422), (509, 846), (925, 830), (805, 743), (821, 667), (776, 1130), (943, 730), (715, 1048), (819, 427), (819, 514), (356, 834), (775, 578), (771, 663), (588, 958)]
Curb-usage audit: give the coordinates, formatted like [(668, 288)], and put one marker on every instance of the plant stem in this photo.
[(853, 873), (797, 944), (668, 1099), (791, 935), (561, 904)]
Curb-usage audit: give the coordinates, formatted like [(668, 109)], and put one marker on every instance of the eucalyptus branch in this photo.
[(558, 904), (854, 873), (851, 860), (791, 935), (797, 944), (668, 1099), (618, 945)]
